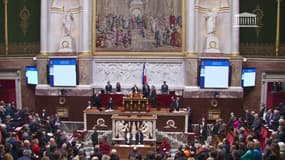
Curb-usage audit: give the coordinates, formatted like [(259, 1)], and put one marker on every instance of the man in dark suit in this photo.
[(203, 130), (164, 88), (256, 126), (172, 105), (135, 89), (108, 87), (175, 104), (146, 90), (94, 137), (43, 115), (153, 96), (97, 101)]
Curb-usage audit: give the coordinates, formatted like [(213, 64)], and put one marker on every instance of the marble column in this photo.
[(190, 27), (44, 26), (85, 70), (236, 64), (235, 30), (85, 28), (42, 63), (191, 75)]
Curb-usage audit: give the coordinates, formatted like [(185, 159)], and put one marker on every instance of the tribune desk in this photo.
[(165, 122), (135, 104)]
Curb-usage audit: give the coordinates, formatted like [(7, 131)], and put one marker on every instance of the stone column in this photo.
[(85, 28), (236, 64), (190, 27), (85, 70), (42, 63), (235, 30), (191, 68), (44, 27)]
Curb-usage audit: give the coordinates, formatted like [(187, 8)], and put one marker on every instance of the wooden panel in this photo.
[(171, 123)]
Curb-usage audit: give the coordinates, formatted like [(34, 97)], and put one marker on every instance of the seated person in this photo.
[(108, 87), (164, 88)]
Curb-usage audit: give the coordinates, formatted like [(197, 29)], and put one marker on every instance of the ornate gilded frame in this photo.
[(182, 52)]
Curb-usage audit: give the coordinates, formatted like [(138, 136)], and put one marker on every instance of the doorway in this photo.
[(10, 87), (272, 89)]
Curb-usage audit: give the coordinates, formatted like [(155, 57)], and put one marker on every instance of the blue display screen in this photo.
[(32, 75), (62, 72), (214, 73), (248, 77)]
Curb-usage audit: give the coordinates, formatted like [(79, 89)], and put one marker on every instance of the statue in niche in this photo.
[(66, 41), (146, 129), (211, 21), (67, 23), (212, 41)]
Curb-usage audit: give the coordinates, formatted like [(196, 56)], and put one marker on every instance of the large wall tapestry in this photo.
[(139, 25)]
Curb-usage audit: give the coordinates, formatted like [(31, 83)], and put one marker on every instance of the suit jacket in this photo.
[(94, 138), (164, 89), (146, 90), (97, 101), (108, 88), (153, 98), (135, 89)]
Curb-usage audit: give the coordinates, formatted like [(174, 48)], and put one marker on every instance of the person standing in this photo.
[(97, 101), (135, 89), (146, 90), (108, 87), (164, 88), (118, 87), (153, 97), (94, 137), (177, 103)]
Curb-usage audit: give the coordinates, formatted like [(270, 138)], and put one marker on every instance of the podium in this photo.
[(135, 104)]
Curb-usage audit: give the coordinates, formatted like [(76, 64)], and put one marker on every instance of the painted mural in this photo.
[(139, 25)]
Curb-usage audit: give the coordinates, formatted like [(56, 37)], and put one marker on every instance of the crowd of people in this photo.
[(253, 136)]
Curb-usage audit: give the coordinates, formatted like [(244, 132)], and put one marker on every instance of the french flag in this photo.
[(144, 74)]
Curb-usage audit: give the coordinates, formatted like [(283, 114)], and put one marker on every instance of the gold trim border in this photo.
[(130, 53)]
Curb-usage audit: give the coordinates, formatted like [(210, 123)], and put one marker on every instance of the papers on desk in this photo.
[(125, 145), (178, 111), (109, 110)]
